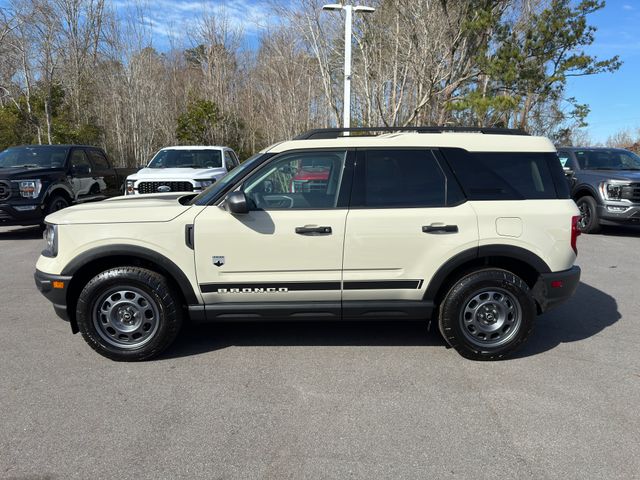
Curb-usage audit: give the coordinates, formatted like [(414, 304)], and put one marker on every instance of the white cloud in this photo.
[(627, 7), (171, 19)]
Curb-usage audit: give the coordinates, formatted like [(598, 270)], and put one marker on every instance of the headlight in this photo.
[(130, 184), (206, 182), (30, 188), (613, 189), (51, 238)]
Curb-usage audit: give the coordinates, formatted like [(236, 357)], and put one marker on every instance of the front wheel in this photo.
[(57, 202), (589, 220), (487, 314), (128, 314)]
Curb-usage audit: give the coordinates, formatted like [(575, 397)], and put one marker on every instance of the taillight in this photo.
[(575, 231)]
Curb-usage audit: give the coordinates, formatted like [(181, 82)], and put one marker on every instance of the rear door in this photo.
[(81, 174), (408, 216), (107, 182)]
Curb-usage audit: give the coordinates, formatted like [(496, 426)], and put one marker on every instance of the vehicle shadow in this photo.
[(584, 315), (588, 312), (20, 233), (196, 339)]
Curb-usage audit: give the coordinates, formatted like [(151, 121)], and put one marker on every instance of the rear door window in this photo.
[(98, 159), (400, 179)]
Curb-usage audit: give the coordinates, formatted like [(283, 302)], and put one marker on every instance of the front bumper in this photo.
[(552, 289), (9, 216), (630, 216), (56, 292)]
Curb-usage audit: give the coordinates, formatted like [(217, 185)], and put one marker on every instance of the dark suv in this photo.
[(605, 184)]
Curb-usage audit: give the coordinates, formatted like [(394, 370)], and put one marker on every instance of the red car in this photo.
[(312, 175)]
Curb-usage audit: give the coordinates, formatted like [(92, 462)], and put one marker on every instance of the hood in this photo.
[(165, 174), (126, 209), (623, 175), (312, 174), (14, 173)]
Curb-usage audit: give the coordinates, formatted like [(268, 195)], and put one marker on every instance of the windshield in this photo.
[(227, 181), (34, 157), (187, 159), (608, 160)]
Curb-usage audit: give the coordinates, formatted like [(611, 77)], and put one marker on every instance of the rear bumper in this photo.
[(552, 289), (56, 294), (9, 216)]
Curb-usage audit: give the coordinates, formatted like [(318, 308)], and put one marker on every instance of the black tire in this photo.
[(589, 220), (118, 304), (507, 297), (55, 203)]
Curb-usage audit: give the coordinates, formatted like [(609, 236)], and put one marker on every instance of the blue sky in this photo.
[(614, 98)]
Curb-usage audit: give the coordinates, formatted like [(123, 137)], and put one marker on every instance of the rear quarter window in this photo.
[(508, 175)]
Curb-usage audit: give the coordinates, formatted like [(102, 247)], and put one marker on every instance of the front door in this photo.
[(289, 247)]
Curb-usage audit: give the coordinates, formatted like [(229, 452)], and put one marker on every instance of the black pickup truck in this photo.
[(36, 180)]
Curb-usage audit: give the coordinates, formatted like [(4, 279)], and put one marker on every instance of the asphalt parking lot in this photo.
[(382, 400)]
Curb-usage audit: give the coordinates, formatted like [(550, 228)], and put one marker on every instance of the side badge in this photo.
[(218, 261)]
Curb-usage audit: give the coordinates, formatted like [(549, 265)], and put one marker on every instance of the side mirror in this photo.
[(286, 169), (81, 169), (237, 203)]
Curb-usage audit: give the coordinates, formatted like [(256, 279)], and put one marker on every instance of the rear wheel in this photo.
[(487, 314), (128, 314), (589, 220)]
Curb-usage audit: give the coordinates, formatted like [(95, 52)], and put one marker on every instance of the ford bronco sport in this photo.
[(473, 228)]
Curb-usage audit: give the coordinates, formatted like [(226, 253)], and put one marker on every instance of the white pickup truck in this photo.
[(182, 169)]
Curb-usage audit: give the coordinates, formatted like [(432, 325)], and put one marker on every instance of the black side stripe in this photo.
[(308, 286), (382, 284), (290, 286)]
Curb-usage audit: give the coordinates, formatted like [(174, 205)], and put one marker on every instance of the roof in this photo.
[(194, 147), (55, 146), (597, 149), (473, 142)]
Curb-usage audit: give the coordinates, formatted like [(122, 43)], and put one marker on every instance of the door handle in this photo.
[(313, 230), (434, 228)]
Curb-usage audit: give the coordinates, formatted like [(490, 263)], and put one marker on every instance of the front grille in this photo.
[(304, 186), (5, 216), (632, 192), (152, 187), (5, 190)]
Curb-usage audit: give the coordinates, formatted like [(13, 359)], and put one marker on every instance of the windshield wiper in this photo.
[(28, 165)]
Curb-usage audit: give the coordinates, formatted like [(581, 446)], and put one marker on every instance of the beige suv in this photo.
[(473, 228)]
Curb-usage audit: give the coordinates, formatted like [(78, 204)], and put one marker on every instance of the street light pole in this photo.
[(346, 115), (348, 20)]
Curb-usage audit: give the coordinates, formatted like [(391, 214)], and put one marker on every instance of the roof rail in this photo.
[(325, 133)]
